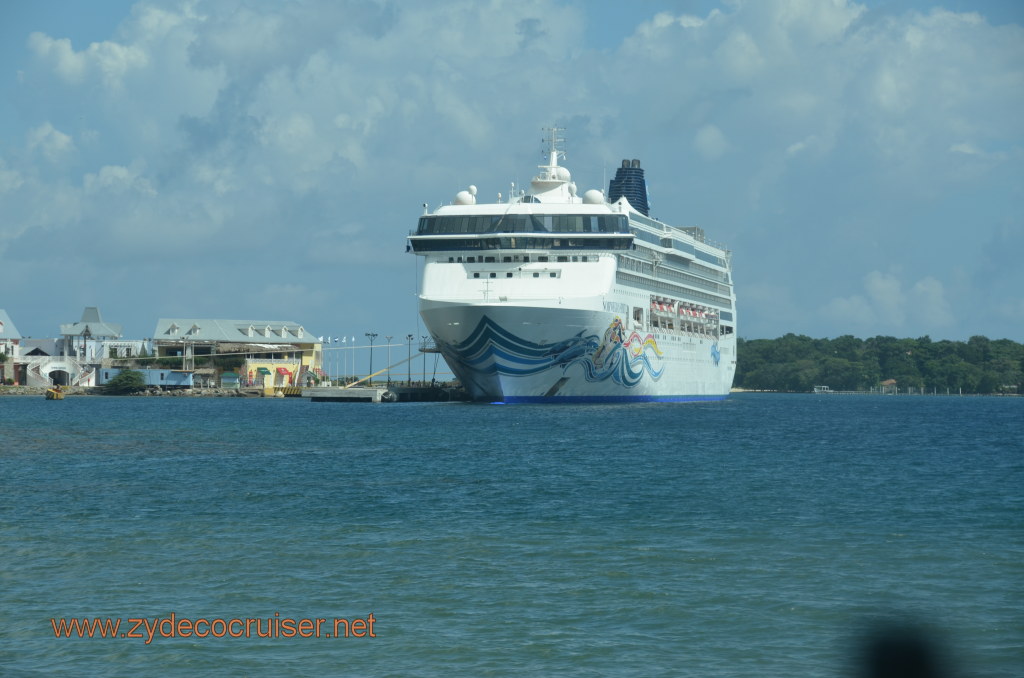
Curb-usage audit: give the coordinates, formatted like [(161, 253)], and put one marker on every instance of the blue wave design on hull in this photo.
[(490, 350)]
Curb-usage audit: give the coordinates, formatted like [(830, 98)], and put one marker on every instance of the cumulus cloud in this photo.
[(887, 305), (52, 143), (10, 180), (710, 142), (110, 60), (117, 179), (819, 140), (740, 57)]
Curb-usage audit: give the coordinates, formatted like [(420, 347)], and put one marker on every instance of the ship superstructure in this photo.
[(550, 296)]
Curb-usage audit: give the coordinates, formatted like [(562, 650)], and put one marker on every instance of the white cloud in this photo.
[(740, 57), (10, 180), (710, 142), (859, 139), (929, 304), (965, 148), (885, 295), (221, 179), (117, 179), (110, 60), (51, 142), (885, 306)]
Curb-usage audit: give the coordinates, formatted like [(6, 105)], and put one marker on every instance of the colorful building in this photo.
[(264, 353)]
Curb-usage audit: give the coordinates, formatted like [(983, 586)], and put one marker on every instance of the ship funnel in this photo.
[(629, 183)]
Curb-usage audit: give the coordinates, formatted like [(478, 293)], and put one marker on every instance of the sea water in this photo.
[(766, 535)]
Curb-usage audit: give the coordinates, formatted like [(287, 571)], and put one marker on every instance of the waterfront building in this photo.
[(10, 338), (164, 378), (73, 358), (264, 353), (91, 339)]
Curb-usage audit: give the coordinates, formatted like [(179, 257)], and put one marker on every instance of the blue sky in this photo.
[(863, 161)]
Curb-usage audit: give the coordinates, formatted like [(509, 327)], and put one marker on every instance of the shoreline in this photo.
[(156, 392), (94, 391)]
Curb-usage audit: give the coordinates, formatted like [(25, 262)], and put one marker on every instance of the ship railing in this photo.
[(698, 234)]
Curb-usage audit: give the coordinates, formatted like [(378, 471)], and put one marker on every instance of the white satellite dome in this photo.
[(466, 197), (593, 197)]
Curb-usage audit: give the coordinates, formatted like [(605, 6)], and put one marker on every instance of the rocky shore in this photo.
[(151, 391)]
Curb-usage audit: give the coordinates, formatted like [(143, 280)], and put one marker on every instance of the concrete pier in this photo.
[(384, 394), (336, 394)]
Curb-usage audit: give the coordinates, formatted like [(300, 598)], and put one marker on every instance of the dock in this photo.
[(337, 394), (384, 394)]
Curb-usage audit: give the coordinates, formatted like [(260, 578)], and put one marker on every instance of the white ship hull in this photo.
[(513, 354)]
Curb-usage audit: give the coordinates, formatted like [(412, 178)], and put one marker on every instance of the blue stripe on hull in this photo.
[(513, 400)]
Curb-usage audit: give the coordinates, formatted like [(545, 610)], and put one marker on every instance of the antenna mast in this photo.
[(553, 140)]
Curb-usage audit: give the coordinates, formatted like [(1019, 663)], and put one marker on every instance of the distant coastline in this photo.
[(798, 364)]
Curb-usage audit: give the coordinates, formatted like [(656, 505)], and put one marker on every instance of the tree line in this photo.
[(847, 363)]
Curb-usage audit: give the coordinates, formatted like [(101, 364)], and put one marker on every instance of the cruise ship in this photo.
[(550, 296)]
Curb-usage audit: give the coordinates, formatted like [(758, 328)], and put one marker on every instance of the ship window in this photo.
[(542, 258), (476, 275), (552, 275), (536, 275), (583, 259), (471, 260), (460, 260), (506, 259), (522, 223), (488, 260), (526, 258), (494, 275), (508, 275), (563, 258)]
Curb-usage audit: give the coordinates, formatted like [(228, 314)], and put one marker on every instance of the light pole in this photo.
[(86, 335), (389, 358), (371, 336), (408, 378), (423, 377)]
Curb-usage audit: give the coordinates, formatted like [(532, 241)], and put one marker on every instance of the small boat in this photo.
[(54, 393)]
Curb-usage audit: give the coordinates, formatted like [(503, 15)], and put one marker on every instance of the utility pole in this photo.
[(408, 378), (389, 338), (371, 336), (423, 378)]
